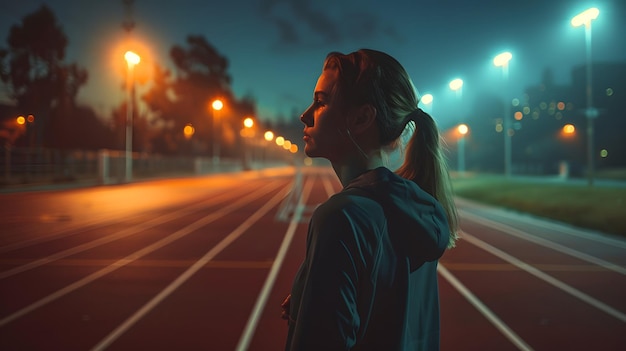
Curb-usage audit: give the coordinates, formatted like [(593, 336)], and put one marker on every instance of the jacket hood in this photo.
[(416, 221)]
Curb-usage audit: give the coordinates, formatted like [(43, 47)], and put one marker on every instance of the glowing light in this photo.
[(502, 59), (456, 84), (561, 106), (462, 129), (280, 141), (248, 122), (30, 118), (585, 17), (269, 136), (293, 149), (217, 104), (569, 129), (427, 99), (20, 120), (287, 145), (518, 116), (604, 153), (131, 58), (188, 131)]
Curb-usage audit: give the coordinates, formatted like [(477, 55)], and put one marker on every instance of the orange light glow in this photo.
[(518, 116), (20, 120), (188, 131), (132, 58), (569, 129), (269, 136), (217, 104), (248, 122)]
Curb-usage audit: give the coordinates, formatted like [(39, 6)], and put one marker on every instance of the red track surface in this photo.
[(204, 263)]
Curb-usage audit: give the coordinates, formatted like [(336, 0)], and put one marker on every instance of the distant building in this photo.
[(552, 126)]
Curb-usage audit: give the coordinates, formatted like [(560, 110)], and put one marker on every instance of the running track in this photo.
[(204, 263)]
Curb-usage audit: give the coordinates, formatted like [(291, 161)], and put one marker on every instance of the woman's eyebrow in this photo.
[(320, 93)]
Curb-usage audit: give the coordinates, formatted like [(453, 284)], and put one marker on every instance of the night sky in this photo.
[(276, 47)]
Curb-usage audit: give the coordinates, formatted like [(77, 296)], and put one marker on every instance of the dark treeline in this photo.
[(43, 85)]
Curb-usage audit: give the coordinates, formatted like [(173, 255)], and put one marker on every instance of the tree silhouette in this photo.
[(41, 84), (201, 76)]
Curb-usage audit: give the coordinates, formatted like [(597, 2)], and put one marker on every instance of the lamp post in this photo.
[(585, 18), (502, 60), (216, 105), (131, 60), (462, 129), (247, 134), (456, 85)]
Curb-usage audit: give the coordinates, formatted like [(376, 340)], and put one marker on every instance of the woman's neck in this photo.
[(355, 166)]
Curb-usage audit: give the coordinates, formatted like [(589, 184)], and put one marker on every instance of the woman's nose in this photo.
[(306, 117)]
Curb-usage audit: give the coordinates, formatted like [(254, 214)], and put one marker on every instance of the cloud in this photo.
[(304, 23)]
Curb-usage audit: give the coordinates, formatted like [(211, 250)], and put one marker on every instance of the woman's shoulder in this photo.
[(353, 207)]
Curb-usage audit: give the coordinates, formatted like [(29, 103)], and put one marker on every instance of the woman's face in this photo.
[(324, 121)]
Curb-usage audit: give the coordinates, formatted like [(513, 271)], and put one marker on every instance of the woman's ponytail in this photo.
[(425, 164)]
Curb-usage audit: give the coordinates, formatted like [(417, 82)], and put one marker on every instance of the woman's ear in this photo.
[(363, 117)]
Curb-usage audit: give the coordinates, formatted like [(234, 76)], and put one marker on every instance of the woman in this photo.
[(369, 279)]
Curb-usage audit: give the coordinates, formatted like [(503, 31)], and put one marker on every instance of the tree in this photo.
[(201, 76), (38, 80)]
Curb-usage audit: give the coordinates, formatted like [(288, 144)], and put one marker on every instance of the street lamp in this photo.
[(502, 60), (427, 100), (216, 105), (247, 132), (462, 129), (585, 18), (456, 85), (132, 59)]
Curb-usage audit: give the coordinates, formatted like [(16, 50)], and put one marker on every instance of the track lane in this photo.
[(210, 310)]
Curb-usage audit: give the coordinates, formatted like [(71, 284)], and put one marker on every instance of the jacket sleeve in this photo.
[(328, 317)]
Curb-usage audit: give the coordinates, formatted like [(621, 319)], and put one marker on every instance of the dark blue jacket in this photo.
[(369, 279)]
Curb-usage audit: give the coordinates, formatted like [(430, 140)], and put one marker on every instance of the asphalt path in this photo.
[(203, 264)]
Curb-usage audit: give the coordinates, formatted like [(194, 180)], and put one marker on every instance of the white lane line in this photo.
[(483, 309), (253, 320), (107, 239), (543, 242), (145, 309), (136, 255), (545, 277)]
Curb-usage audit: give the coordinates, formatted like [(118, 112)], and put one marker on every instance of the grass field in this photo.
[(599, 208)]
